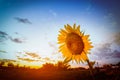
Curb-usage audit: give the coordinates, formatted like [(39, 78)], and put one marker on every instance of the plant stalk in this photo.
[(91, 69)]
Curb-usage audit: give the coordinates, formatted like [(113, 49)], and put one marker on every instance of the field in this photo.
[(71, 74)]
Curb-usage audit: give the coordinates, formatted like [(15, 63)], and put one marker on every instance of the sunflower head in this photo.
[(74, 45)]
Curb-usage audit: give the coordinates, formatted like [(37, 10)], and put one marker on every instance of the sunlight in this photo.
[(35, 44)]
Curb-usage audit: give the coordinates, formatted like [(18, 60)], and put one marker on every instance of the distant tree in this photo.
[(118, 64), (107, 67), (2, 63), (48, 66), (17, 66), (58, 66), (10, 64), (62, 66)]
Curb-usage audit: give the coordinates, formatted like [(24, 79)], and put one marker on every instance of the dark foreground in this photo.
[(36, 74)]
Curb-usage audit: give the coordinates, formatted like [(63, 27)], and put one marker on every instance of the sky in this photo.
[(29, 28)]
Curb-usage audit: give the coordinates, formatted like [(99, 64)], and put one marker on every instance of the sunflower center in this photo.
[(74, 43)]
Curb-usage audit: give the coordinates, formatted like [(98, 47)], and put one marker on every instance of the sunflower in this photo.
[(74, 44)]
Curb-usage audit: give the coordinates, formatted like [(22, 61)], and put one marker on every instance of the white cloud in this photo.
[(53, 13)]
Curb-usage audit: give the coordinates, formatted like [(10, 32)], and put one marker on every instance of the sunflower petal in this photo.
[(74, 26), (67, 51), (69, 28), (62, 31), (68, 59), (86, 36)]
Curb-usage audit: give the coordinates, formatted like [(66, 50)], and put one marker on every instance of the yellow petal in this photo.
[(66, 51), (63, 32), (74, 26)]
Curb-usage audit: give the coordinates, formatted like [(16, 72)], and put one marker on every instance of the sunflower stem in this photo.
[(91, 69)]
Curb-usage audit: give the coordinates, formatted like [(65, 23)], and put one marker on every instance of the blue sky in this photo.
[(33, 26)]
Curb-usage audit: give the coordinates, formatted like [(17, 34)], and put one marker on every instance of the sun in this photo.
[(74, 44)]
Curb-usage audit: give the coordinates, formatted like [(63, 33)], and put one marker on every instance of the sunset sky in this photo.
[(29, 28)]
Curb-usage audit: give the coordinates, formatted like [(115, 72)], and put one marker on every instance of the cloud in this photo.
[(3, 36), (2, 51), (89, 7), (104, 48), (16, 33), (27, 59), (17, 40), (47, 59), (53, 13), (54, 47), (28, 56), (3, 33), (109, 51), (116, 38), (116, 54), (23, 20), (8, 60), (33, 55)]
